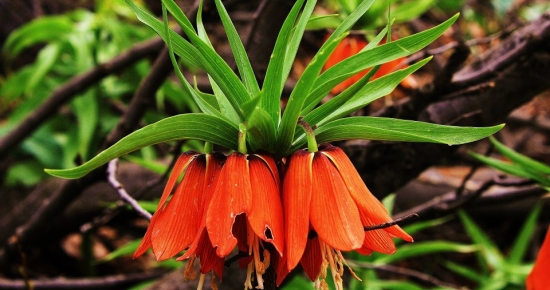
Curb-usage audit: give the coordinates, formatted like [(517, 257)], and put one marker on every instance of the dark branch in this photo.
[(107, 282)]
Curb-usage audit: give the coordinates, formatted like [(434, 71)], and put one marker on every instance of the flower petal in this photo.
[(333, 213), (297, 188), (214, 163), (232, 196), (312, 259), (538, 278), (266, 211), (177, 225), (181, 164), (367, 203)]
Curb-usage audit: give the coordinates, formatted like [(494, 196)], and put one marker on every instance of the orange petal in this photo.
[(181, 164), (177, 225), (312, 259), (214, 163), (380, 241), (368, 204), (279, 264), (538, 278), (333, 213), (266, 211), (232, 196), (297, 188)]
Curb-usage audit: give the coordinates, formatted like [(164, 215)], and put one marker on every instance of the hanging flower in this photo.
[(538, 278), (327, 207), (248, 186), (176, 223)]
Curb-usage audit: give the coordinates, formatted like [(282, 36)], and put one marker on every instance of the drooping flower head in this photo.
[(327, 207), (219, 203)]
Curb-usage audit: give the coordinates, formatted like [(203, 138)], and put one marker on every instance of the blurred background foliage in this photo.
[(42, 53)]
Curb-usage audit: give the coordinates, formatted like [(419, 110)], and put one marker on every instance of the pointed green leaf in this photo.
[(307, 81), (212, 62), (464, 271), (343, 104), (200, 55), (45, 29), (187, 126), (489, 253), (510, 168), (424, 248), (239, 52), (274, 80), (378, 55), (524, 237), (388, 129), (522, 160), (224, 104), (207, 106)]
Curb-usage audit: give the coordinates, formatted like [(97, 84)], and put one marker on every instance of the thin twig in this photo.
[(111, 177), (392, 223), (107, 282)]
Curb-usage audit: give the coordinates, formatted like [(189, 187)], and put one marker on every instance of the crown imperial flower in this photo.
[(327, 207)]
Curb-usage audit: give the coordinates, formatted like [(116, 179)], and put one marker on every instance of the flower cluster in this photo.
[(320, 209)]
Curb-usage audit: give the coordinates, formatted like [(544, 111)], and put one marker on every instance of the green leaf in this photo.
[(464, 271), (317, 22), (126, 250), (524, 237), (210, 107), (202, 56), (522, 160), (51, 28), (187, 126), (489, 254), (274, 80), (510, 168), (307, 81), (86, 111), (212, 62), (344, 104), (46, 59), (424, 248), (239, 52), (388, 129), (378, 55), (224, 104)]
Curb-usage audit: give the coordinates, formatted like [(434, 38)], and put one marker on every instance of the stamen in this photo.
[(201, 282), (260, 270), (334, 270), (267, 258), (190, 273), (248, 282), (213, 282)]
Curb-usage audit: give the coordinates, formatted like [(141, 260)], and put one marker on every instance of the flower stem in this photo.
[(310, 136), (242, 138), (208, 147)]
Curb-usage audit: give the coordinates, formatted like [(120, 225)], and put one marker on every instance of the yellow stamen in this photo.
[(248, 282)]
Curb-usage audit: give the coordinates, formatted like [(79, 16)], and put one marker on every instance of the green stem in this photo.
[(310, 136), (208, 147), (242, 138)]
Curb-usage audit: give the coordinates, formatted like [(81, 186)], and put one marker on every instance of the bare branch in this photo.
[(111, 177)]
